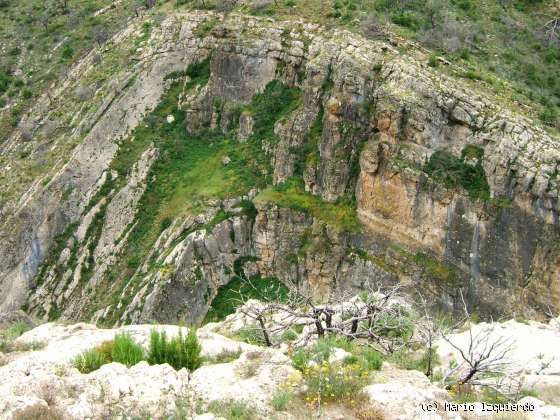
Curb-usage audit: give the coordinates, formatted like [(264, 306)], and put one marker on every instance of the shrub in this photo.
[(126, 351), (433, 60), (413, 361), (5, 81), (157, 354), (38, 412), (232, 410), (179, 352), (89, 361), (372, 359), (454, 172), (67, 52), (289, 335), (300, 359), (550, 116), (334, 382)]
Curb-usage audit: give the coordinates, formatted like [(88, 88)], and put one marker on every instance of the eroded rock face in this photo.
[(368, 123)]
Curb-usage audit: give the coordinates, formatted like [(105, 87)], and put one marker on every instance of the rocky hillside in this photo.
[(216, 147)]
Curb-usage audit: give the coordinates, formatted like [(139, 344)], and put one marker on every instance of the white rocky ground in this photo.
[(46, 378)]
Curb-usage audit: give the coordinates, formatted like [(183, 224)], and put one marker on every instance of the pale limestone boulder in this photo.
[(252, 379), (338, 355), (399, 394)]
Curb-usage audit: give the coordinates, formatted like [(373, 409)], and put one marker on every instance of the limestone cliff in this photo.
[(370, 166)]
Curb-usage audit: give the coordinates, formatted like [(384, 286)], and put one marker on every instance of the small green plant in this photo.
[(281, 398), (126, 351), (179, 352), (67, 52), (289, 335), (106, 349), (232, 410), (89, 361), (10, 334), (433, 60), (301, 359), (226, 356), (371, 359), (251, 336)]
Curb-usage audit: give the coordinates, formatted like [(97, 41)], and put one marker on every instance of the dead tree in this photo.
[(485, 354)]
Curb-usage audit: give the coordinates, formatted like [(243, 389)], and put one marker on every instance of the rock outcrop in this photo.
[(46, 378)]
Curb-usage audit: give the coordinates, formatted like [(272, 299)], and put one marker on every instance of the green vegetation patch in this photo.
[(335, 382), (275, 103), (10, 334), (437, 269), (179, 352), (291, 194), (230, 296), (234, 410), (190, 168), (454, 172)]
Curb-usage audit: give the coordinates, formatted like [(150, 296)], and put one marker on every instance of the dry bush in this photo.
[(451, 36), (364, 410), (38, 412), (373, 27), (47, 393)]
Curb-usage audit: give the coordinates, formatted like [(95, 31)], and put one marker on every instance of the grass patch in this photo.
[(281, 399), (232, 410), (126, 351), (179, 352), (291, 194), (11, 333), (89, 360)]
